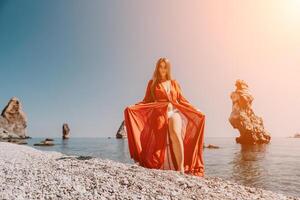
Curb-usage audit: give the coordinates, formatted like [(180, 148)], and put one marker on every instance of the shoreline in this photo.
[(28, 173)]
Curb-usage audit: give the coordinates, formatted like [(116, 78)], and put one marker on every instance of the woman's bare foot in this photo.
[(181, 170)]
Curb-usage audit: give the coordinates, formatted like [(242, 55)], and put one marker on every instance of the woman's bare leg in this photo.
[(175, 136)]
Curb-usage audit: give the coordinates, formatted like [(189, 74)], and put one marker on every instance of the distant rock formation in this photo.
[(242, 117), (297, 135), (122, 131), (66, 131), (211, 146), (46, 142), (13, 121)]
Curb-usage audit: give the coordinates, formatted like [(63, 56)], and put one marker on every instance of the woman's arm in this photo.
[(182, 100), (148, 97)]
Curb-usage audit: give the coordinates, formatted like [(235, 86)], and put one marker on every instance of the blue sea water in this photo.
[(275, 166)]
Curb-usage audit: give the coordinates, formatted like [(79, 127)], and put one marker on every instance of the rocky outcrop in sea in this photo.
[(122, 131), (297, 135), (13, 121), (65, 131), (243, 118), (45, 143)]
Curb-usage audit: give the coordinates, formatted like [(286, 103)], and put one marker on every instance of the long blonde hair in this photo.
[(156, 76)]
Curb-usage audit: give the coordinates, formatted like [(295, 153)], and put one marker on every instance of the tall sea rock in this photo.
[(13, 121), (65, 131), (122, 131), (243, 118)]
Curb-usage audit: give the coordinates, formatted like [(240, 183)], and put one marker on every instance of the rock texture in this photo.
[(122, 131), (297, 135), (66, 131), (26, 173), (13, 121), (243, 118), (211, 146), (46, 142)]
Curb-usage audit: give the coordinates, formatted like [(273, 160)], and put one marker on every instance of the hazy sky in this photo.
[(83, 62)]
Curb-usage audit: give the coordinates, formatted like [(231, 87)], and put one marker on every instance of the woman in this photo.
[(164, 130)]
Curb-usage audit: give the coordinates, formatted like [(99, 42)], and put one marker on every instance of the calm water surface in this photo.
[(273, 167)]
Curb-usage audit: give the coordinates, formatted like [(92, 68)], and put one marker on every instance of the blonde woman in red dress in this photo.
[(165, 131)]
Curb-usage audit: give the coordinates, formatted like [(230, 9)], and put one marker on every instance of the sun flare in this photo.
[(291, 11)]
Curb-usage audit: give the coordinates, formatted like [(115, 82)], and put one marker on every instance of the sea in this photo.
[(275, 166)]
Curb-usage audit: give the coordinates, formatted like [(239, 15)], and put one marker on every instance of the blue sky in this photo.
[(83, 62)]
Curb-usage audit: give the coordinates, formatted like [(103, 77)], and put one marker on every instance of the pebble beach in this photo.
[(27, 173)]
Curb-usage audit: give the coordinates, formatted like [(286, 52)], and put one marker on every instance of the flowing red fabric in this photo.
[(147, 130)]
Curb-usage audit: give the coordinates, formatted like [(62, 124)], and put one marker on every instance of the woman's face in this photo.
[(163, 70)]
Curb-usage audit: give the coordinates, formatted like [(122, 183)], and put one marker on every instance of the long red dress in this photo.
[(147, 131)]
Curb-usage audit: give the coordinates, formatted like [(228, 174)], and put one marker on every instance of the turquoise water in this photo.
[(273, 167)]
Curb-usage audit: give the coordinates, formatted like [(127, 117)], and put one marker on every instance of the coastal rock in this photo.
[(297, 135), (17, 141), (4, 134), (13, 121), (46, 142), (66, 131), (243, 118), (211, 146), (122, 131)]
